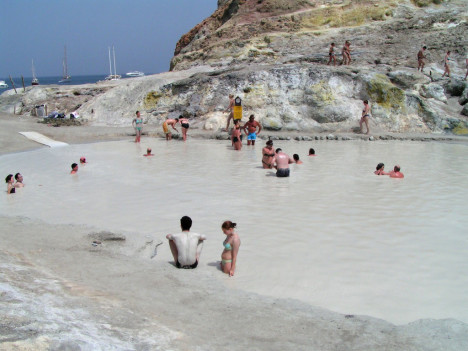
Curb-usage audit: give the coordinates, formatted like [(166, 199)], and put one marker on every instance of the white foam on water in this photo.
[(333, 234)]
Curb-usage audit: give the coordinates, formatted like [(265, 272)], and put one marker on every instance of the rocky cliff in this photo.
[(273, 54)]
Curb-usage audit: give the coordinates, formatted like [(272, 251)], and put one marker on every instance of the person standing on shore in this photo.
[(236, 136), (230, 109), (282, 162), (186, 247), (268, 155), (19, 180), (137, 123), (446, 64), (9, 181), (231, 248), (331, 55), (365, 116), (252, 133), (421, 57), (184, 123), (169, 122)]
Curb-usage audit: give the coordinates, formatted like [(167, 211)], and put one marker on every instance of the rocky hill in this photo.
[(273, 54)]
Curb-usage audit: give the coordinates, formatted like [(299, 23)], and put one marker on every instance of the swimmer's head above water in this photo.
[(296, 157), (396, 168), (82, 159), (9, 178), (74, 168), (311, 151), (379, 166)]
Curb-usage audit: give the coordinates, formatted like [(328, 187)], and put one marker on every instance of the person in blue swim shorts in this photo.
[(251, 132)]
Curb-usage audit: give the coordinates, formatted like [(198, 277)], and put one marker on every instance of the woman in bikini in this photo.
[(185, 126), (231, 248), (268, 155), (379, 170), (365, 116), (331, 55), (137, 123), (236, 136), (10, 187), (446, 65)]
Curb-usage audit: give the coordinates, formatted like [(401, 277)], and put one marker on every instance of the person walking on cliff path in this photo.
[(331, 55), (421, 57), (230, 109), (446, 64), (346, 52)]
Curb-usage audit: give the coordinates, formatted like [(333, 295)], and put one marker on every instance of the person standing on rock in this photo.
[(421, 57), (230, 109), (170, 122), (446, 64), (331, 55), (137, 123), (251, 127), (365, 116), (346, 52), (282, 162)]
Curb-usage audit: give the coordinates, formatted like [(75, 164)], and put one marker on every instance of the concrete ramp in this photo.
[(42, 139)]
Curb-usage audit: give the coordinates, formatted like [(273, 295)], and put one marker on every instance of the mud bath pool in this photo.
[(333, 235)]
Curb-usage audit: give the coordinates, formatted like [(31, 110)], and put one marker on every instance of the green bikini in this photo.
[(227, 247)]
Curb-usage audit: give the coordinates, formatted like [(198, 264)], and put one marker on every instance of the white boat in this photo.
[(34, 81), (111, 76), (65, 77), (3, 85), (135, 74)]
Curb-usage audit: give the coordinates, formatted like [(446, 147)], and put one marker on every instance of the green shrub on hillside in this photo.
[(424, 3)]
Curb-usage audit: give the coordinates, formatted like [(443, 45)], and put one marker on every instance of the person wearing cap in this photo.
[(282, 162), (396, 173), (82, 160), (148, 152), (268, 155)]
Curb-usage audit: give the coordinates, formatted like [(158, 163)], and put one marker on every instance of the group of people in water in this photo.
[(396, 173), (74, 166), (14, 183)]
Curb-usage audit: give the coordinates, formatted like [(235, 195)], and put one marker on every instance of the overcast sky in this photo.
[(144, 33)]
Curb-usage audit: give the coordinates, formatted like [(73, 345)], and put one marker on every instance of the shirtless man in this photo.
[(282, 162), (186, 246), (346, 52), (421, 57), (446, 64), (19, 180), (169, 122), (230, 109), (331, 55), (148, 153), (396, 173), (251, 126), (74, 168)]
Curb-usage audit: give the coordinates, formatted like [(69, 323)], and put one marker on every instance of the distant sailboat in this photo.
[(65, 77), (111, 76), (34, 81)]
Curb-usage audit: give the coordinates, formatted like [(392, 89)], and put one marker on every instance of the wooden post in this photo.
[(11, 80), (24, 88)]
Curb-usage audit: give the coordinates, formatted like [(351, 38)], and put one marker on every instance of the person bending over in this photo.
[(186, 246), (282, 162)]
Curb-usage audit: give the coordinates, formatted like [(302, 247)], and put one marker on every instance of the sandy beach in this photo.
[(59, 292)]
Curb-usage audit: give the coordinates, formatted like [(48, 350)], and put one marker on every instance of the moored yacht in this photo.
[(3, 85), (135, 74)]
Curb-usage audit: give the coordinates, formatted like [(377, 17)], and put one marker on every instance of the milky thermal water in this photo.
[(333, 234)]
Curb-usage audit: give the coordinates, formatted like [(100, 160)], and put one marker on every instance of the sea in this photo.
[(75, 80)]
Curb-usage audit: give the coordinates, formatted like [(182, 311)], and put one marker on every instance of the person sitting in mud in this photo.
[(268, 155), (379, 170), (252, 133), (331, 55), (9, 181), (396, 173), (186, 247), (170, 122), (421, 57), (148, 152), (296, 159), (74, 168), (312, 152), (282, 162), (19, 180)]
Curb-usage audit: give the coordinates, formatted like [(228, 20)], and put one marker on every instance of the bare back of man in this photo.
[(282, 162)]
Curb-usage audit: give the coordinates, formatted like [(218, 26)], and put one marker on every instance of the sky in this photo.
[(143, 32)]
